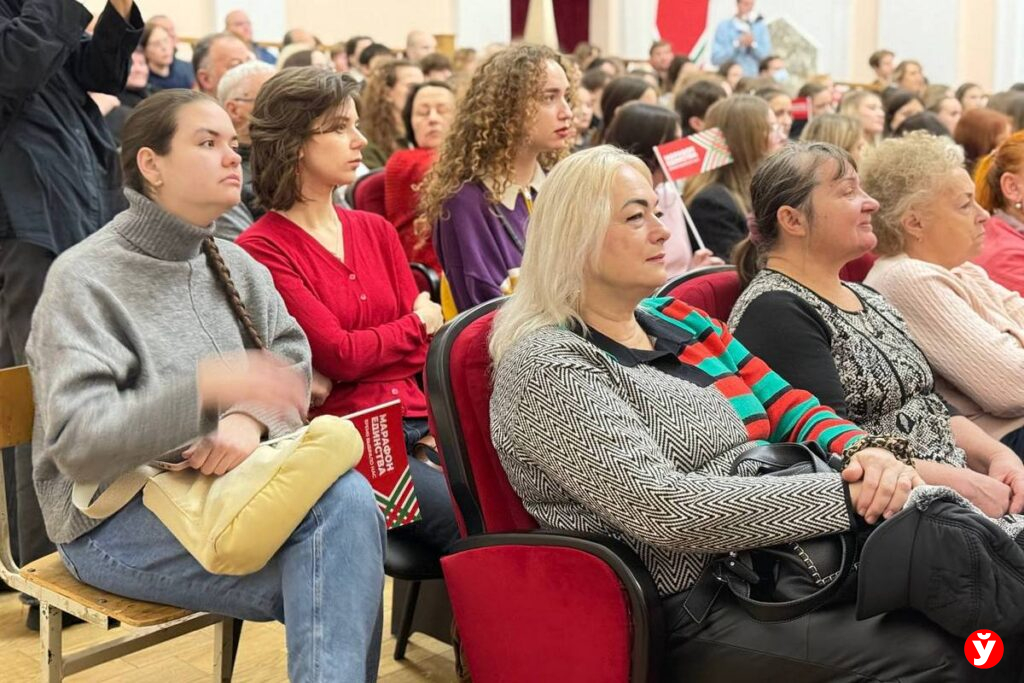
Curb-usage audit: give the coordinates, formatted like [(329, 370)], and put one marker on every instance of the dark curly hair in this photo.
[(282, 121)]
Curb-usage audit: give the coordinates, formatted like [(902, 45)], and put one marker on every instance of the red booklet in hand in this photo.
[(385, 463)]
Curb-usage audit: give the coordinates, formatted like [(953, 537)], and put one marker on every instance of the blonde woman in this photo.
[(514, 123), (838, 129), (719, 200), (866, 107), (622, 415)]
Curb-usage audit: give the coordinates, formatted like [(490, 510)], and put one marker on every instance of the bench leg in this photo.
[(226, 634), (51, 643)]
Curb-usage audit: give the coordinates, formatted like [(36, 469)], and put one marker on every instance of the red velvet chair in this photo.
[(530, 605), (367, 192), (713, 290), (858, 269)]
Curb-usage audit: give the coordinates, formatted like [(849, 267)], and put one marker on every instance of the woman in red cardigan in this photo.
[(342, 274)]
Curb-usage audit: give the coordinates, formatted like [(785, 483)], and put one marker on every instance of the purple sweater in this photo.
[(474, 247)]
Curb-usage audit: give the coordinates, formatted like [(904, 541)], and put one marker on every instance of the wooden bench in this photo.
[(47, 580)]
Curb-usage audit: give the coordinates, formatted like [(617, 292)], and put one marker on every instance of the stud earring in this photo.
[(1018, 206)]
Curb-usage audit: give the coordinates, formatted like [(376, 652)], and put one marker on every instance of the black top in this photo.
[(719, 220), (59, 174), (862, 364)]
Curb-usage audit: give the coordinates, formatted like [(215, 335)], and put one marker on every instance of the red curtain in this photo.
[(572, 19)]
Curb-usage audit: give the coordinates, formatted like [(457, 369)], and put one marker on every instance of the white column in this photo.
[(478, 23), (624, 28), (1009, 48)]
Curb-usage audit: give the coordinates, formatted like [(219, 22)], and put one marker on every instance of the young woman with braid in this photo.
[(343, 274), (513, 124), (153, 340)]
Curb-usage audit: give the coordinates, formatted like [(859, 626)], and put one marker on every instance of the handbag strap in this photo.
[(115, 496)]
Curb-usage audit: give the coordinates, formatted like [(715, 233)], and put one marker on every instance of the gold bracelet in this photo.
[(899, 446)]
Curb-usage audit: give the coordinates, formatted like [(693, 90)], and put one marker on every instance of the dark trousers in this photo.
[(827, 646), (1015, 440), (23, 269)]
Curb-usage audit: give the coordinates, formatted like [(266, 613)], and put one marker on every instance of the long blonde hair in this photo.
[(568, 224), (743, 120), (491, 126)]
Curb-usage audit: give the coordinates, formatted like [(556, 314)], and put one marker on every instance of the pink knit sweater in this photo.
[(970, 328)]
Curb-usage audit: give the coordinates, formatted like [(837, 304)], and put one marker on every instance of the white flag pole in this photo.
[(686, 212)]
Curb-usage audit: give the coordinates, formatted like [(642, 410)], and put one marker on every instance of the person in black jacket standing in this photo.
[(59, 176)]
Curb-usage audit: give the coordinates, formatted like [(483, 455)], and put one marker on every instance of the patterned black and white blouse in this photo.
[(863, 364)]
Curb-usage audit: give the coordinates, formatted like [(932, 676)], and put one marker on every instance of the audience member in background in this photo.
[(178, 66), (165, 70), (882, 63), (909, 75), (948, 110), (971, 96), (583, 119), (731, 72), (979, 132), (999, 189), (343, 274), (464, 62), (419, 44), (866, 107), (781, 105), (934, 93), (237, 23), (354, 47), (819, 98), (621, 90), (339, 58), (237, 92), (660, 58), (595, 81), (428, 115), (692, 104), (648, 77), (840, 130), (136, 89), (926, 121), (181, 363), (900, 104), (619, 415), (743, 39), (299, 55), (773, 67), (59, 179), (637, 128), (300, 36), (843, 342), (719, 200), (1011, 103), (680, 68), (514, 123), (213, 55), (584, 53), (436, 67), (969, 328), (374, 54), (613, 67), (381, 105)]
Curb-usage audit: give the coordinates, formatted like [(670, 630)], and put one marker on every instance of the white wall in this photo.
[(925, 30), (478, 23), (268, 17)]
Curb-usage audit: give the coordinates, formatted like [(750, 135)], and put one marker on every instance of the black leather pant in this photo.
[(828, 645)]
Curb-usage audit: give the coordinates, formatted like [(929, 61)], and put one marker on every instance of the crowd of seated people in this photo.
[(211, 228)]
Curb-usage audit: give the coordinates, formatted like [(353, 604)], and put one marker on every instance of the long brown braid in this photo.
[(216, 261)]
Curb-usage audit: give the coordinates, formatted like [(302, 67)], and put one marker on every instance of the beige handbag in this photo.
[(235, 522)]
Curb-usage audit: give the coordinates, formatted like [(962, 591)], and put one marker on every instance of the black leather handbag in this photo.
[(785, 581)]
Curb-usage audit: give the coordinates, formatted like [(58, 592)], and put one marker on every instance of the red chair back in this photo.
[(459, 390), (368, 192), (713, 290), (858, 269)]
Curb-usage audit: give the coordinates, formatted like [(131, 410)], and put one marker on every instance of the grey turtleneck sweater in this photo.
[(124, 319)]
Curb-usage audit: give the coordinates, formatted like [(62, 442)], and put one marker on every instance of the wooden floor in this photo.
[(261, 656)]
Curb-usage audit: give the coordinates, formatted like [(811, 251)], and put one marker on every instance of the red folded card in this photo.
[(693, 155)]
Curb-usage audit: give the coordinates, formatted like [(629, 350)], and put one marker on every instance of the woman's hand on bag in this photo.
[(879, 483), (990, 495), (256, 376), (320, 389), (429, 312), (237, 436), (1008, 469)]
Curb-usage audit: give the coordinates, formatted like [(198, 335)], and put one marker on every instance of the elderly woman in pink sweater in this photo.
[(969, 327)]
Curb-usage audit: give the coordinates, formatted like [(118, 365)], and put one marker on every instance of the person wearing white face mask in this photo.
[(742, 38), (773, 67)]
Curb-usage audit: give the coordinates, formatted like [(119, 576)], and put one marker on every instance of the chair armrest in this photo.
[(547, 605), (432, 277)]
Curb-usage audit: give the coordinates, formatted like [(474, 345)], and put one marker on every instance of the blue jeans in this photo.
[(325, 583)]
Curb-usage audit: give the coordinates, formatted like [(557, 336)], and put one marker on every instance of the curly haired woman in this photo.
[(387, 89), (514, 123)]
